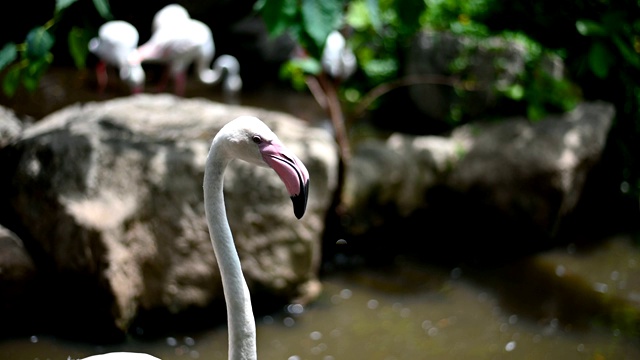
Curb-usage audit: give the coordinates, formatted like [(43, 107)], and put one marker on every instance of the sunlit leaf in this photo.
[(373, 6), (103, 8), (357, 16), (8, 54), (320, 17), (307, 65), (63, 4), (600, 59), (39, 42), (515, 92), (590, 28), (297, 70), (380, 70), (78, 40), (11, 81)]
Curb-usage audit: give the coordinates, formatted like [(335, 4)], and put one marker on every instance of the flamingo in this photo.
[(168, 15), (121, 356), (180, 41), (115, 41), (246, 138), (338, 60)]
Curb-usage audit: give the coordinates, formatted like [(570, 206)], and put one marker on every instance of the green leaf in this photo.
[(319, 18), (278, 15), (627, 52), (373, 6), (515, 92), (103, 8), (297, 70), (11, 81), (358, 16), (590, 28), (78, 40), (62, 4), (39, 42), (614, 21), (409, 13), (34, 71), (600, 59), (535, 112), (307, 65), (381, 70), (8, 54)]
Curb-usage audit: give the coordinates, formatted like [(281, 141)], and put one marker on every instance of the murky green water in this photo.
[(406, 311)]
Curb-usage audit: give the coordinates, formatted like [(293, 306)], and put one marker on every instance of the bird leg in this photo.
[(180, 83), (164, 80), (101, 76)]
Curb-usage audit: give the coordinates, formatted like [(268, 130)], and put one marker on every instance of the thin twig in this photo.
[(432, 79)]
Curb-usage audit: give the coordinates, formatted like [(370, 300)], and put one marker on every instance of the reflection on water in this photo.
[(408, 311)]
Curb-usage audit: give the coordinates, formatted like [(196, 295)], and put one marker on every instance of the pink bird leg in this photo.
[(101, 76), (180, 83)]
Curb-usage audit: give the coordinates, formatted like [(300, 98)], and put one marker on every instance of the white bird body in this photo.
[(168, 15), (246, 138), (121, 356), (180, 41), (114, 44), (338, 60)]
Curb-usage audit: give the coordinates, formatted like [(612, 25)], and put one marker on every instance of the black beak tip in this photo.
[(300, 201)]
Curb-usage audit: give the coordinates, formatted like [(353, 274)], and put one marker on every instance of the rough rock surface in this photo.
[(109, 196)]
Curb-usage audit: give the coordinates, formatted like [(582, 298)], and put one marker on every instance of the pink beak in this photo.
[(291, 171)]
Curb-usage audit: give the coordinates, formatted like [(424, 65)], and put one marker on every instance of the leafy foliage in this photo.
[(34, 56), (308, 21), (382, 31)]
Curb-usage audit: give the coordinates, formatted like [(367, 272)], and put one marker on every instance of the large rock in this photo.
[(10, 127), (487, 191), (18, 284), (110, 195)]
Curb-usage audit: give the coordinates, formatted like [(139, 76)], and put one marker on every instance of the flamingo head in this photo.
[(251, 140)]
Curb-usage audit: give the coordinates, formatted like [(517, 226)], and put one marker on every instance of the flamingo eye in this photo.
[(256, 139)]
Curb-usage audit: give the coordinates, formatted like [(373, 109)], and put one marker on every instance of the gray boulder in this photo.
[(487, 189), (111, 194)]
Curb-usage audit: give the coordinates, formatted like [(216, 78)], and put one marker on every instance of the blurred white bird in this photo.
[(115, 42), (180, 41), (120, 356), (168, 15), (338, 60)]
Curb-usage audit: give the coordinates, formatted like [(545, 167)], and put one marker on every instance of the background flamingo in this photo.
[(338, 60), (181, 41), (249, 139), (116, 40), (168, 15)]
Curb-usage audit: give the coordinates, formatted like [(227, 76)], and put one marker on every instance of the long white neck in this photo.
[(225, 65), (241, 322), (208, 75)]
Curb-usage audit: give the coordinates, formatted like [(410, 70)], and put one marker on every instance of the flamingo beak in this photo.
[(291, 171)]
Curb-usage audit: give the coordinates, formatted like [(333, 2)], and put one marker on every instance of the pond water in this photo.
[(405, 310), (61, 87)]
